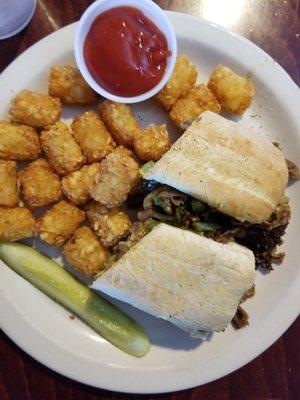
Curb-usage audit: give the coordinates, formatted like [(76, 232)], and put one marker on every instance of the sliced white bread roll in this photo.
[(227, 166), (187, 279)]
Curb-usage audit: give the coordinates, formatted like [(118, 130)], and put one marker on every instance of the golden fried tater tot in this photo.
[(35, 109), (92, 136), (152, 143), (111, 225), (9, 194), (192, 104), (61, 149), (16, 223), (232, 91), (59, 222), (76, 184), (68, 84), (18, 142), (182, 80), (40, 184), (120, 121), (118, 175), (85, 252)]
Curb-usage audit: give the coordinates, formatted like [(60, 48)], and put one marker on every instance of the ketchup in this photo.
[(125, 52)]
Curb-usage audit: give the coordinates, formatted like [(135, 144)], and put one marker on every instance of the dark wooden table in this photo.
[(275, 26)]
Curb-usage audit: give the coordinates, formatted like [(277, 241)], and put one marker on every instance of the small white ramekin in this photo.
[(154, 13)]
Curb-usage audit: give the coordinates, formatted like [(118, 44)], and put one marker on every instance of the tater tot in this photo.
[(61, 149), (232, 91), (9, 194), (59, 222), (92, 136), (85, 252), (16, 223), (35, 109), (111, 225), (76, 184), (120, 121), (18, 142), (68, 84), (152, 143), (40, 184), (182, 80), (118, 175), (192, 104)]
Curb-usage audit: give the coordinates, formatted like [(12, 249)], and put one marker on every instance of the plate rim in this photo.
[(289, 319)]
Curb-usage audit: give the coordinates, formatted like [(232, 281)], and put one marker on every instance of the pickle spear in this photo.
[(61, 286)]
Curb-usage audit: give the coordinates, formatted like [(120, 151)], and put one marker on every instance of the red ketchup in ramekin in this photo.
[(125, 52)]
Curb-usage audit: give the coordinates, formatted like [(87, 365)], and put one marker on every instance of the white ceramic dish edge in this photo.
[(190, 378)]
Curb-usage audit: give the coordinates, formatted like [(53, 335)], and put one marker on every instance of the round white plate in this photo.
[(44, 330)]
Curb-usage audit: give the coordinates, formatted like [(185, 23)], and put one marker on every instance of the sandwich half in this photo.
[(227, 166), (194, 282)]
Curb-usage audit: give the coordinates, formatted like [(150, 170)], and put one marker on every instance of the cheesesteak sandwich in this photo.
[(227, 166), (194, 282), (229, 189)]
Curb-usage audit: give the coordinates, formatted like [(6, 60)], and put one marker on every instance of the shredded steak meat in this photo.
[(263, 239), (241, 318), (294, 170), (249, 293)]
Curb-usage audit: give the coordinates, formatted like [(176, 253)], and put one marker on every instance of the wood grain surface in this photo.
[(275, 26)]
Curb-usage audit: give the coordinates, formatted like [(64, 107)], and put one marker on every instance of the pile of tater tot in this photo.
[(83, 173)]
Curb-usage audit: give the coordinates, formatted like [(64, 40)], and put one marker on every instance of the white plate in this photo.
[(45, 331)]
